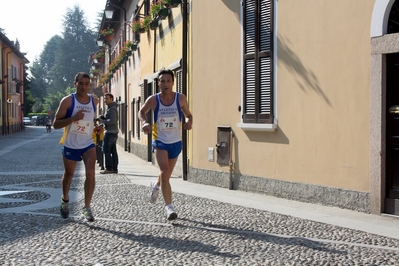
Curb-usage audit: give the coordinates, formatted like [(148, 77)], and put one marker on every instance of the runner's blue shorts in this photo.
[(75, 154), (173, 149)]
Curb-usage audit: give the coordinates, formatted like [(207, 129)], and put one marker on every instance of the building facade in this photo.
[(295, 99), (12, 69)]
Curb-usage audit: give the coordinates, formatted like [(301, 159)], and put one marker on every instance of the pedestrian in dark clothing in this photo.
[(110, 122)]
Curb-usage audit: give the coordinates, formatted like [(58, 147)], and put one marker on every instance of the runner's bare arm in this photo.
[(60, 121), (184, 107), (149, 104)]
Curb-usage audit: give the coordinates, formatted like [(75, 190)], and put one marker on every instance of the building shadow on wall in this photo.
[(306, 78), (234, 6)]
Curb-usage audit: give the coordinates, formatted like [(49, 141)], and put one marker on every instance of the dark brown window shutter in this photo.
[(133, 117), (138, 124), (258, 71), (179, 81)]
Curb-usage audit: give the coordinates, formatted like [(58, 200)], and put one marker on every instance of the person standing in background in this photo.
[(110, 122)]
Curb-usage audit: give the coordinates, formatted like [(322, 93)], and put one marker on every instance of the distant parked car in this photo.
[(41, 121), (33, 120), (26, 121)]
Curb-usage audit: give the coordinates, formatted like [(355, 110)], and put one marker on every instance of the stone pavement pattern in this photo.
[(130, 231)]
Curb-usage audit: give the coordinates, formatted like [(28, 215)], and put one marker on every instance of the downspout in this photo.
[(154, 90), (22, 95), (184, 83), (4, 95), (126, 99)]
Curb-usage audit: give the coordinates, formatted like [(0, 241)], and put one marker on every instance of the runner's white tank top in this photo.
[(79, 133), (167, 121)]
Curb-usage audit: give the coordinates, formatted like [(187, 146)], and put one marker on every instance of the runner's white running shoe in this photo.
[(170, 212), (154, 193)]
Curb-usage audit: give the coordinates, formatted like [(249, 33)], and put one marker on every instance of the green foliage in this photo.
[(37, 106), (155, 7), (136, 25), (28, 100), (146, 22), (38, 114), (62, 57), (107, 31), (53, 99), (99, 54)]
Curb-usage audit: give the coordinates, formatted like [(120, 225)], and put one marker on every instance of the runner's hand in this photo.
[(79, 115)]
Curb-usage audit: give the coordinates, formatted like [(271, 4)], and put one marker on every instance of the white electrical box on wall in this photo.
[(211, 154)]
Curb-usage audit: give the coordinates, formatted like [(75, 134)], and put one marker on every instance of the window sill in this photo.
[(257, 127)]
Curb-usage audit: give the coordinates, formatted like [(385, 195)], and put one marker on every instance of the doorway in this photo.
[(392, 135)]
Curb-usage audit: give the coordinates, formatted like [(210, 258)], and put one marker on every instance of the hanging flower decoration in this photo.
[(107, 31)]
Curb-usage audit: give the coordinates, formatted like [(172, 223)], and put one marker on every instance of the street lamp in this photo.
[(109, 12), (100, 42)]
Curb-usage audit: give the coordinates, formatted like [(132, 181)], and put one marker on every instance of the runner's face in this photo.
[(82, 85), (165, 82)]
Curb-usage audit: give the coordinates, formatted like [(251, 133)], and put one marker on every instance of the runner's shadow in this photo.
[(261, 236), (181, 245)]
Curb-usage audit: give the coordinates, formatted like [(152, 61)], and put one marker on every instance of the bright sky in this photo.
[(34, 22)]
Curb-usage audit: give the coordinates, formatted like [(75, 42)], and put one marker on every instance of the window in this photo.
[(179, 81), (133, 117), (393, 20), (147, 7), (122, 116), (138, 120), (14, 72), (258, 62), (137, 18)]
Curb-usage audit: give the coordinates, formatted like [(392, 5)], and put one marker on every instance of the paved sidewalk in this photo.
[(139, 172)]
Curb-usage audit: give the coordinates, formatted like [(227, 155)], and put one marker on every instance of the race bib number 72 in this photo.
[(81, 127), (169, 123)]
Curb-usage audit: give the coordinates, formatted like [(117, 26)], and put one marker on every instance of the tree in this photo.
[(73, 52), (40, 69), (62, 57)]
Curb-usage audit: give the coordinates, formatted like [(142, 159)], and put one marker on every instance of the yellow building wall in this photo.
[(169, 48), (322, 92)]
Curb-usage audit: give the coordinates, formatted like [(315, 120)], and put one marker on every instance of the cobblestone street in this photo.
[(129, 230)]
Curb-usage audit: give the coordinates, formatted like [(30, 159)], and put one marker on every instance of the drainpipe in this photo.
[(184, 83), (21, 95), (4, 96), (154, 90)]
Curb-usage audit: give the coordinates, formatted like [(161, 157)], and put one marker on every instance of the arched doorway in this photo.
[(384, 124)]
